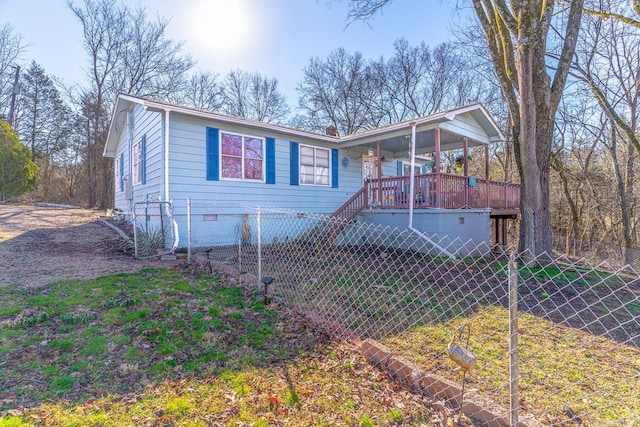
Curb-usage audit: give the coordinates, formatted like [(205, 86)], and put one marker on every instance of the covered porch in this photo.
[(426, 181)]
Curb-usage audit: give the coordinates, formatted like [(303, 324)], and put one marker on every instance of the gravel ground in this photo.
[(40, 244)]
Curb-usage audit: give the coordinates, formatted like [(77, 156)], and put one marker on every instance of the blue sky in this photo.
[(274, 37)]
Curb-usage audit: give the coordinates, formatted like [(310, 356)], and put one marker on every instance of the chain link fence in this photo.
[(565, 351), (595, 252), (154, 231)]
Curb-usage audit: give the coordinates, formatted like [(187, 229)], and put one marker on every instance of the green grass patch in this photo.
[(134, 316), (132, 353), (79, 366), (62, 344), (95, 347), (121, 339), (178, 347), (60, 385), (9, 311)]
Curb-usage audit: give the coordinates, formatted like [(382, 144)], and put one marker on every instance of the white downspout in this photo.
[(176, 237), (166, 155), (411, 196)]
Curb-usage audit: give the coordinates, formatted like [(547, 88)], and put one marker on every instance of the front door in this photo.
[(369, 168)]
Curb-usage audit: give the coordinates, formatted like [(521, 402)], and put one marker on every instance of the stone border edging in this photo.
[(474, 405)]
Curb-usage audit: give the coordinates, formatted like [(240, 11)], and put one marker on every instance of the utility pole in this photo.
[(14, 94)]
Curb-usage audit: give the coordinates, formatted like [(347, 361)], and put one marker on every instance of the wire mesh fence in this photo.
[(596, 252), (153, 228), (573, 354)]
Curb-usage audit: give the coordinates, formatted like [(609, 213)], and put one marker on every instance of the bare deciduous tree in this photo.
[(127, 52), (253, 96), (201, 90), (334, 92), (607, 62), (352, 93), (11, 48)]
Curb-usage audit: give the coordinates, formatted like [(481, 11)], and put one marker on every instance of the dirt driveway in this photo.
[(41, 244)]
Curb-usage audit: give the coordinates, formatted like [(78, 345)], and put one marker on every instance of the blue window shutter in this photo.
[(271, 161), (213, 154), (334, 168), (400, 170), (294, 164), (121, 171), (143, 154)]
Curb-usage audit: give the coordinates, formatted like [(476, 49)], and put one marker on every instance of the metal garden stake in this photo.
[(461, 355)]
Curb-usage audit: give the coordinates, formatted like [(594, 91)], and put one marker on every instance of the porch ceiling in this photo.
[(425, 142), (472, 123)]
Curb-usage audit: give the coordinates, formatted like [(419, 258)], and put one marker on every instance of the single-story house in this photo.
[(170, 152)]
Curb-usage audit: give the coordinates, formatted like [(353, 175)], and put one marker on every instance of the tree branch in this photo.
[(568, 50), (621, 18)]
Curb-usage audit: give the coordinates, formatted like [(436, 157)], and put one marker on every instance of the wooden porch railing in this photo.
[(353, 206), (454, 192)]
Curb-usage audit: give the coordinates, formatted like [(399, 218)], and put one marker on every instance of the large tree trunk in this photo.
[(517, 34), (535, 136), (624, 185)]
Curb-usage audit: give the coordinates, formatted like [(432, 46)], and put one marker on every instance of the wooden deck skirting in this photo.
[(454, 192)]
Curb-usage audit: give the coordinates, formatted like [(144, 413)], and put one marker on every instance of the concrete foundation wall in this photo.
[(461, 232)]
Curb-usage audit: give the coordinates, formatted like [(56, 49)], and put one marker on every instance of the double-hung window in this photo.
[(137, 162), (242, 157), (314, 165)]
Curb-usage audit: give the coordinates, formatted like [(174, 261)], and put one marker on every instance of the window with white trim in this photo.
[(137, 162), (118, 175), (406, 168), (242, 157), (314, 165)]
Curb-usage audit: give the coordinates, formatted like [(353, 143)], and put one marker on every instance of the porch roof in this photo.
[(472, 122)]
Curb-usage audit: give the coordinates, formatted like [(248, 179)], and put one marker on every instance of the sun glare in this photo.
[(222, 26)]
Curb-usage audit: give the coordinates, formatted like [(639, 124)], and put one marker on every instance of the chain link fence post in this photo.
[(259, 225), (513, 340)]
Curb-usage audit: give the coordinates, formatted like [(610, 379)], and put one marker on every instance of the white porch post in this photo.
[(438, 178), (379, 166), (412, 174), (465, 170)]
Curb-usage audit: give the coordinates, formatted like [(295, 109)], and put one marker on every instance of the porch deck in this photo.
[(434, 190)]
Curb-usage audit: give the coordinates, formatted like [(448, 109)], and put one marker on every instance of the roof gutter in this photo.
[(239, 121)]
